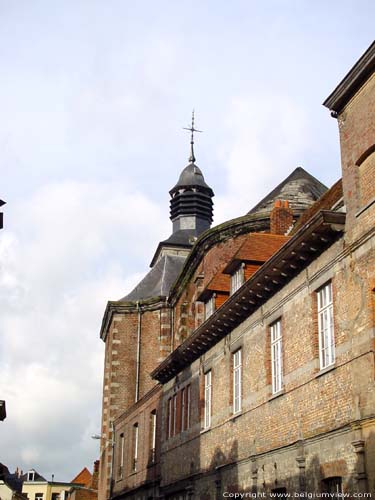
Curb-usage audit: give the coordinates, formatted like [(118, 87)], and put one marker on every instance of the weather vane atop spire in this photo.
[(192, 130)]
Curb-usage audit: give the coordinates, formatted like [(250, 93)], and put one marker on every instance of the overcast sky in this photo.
[(93, 98)]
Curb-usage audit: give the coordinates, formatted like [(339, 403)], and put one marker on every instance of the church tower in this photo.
[(191, 208)]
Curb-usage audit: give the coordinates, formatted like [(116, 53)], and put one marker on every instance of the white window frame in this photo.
[(326, 326), (209, 306), (31, 475), (276, 357), (135, 446), (207, 399), (237, 279), (237, 381), (39, 496), (174, 399), (153, 435), (183, 408), (188, 404), (122, 455), (170, 415)]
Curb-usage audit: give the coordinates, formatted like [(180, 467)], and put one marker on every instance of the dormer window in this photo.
[(209, 306), (237, 279), (31, 475)]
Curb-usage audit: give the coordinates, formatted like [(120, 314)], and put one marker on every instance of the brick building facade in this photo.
[(244, 361)]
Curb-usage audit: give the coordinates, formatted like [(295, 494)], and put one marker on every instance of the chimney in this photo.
[(95, 476), (281, 217)]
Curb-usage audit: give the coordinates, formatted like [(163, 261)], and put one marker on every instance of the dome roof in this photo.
[(191, 176)]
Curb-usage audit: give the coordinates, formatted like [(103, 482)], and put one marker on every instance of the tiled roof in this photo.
[(84, 477), (258, 247)]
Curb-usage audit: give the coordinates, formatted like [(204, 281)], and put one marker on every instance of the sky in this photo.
[(93, 98)]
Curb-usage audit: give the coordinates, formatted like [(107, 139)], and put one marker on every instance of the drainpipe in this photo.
[(138, 353), (172, 328), (112, 443)]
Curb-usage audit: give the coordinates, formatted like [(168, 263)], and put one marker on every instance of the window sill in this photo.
[(366, 207), (325, 370), (234, 417), (277, 395), (203, 431)]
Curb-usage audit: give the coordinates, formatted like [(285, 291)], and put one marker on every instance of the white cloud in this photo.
[(267, 134), (70, 253)]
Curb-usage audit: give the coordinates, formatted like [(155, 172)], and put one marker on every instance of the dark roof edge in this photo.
[(131, 306), (176, 361), (352, 81)]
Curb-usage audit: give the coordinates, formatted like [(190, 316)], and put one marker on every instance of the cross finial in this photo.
[(192, 130)]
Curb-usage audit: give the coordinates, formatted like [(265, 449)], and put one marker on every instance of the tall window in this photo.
[(276, 357), (237, 279), (174, 420), (325, 320), (188, 404), (153, 436), (209, 307), (185, 408), (122, 453), (135, 446), (170, 417), (207, 399), (237, 380)]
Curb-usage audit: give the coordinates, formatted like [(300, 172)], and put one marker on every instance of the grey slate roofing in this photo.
[(191, 176), (300, 188), (37, 477), (183, 237), (159, 280)]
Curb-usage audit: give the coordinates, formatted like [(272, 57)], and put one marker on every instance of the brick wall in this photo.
[(356, 126), (314, 406), (120, 371)]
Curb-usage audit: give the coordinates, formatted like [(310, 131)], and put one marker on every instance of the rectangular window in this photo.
[(135, 446), (325, 322), (207, 399), (38, 496), (153, 436), (31, 475), (170, 416), (185, 408), (276, 357), (237, 381), (237, 280), (122, 454), (174, 419), (188, 404), (209, 307)]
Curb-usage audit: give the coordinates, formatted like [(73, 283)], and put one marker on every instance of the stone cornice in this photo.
[(352, 82), (122, 307)]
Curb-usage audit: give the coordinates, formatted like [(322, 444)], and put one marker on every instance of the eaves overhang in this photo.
[(295, 255), (128, 307), (352, 82)]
